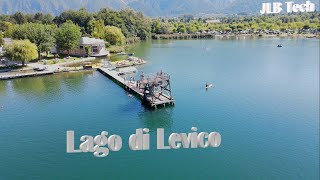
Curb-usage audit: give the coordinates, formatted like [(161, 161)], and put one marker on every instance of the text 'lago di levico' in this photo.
[(101, 145)]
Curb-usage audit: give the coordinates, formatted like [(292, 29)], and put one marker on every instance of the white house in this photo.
[(96, 46)]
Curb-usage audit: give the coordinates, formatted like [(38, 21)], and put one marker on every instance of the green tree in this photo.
[(68, 36), (19, 18), (113, 35), (166, 28), (43, 18), (88, 50), (131, 23), (21, 50), (254, 26), (39, 34), (96, 28), (1, 39), (112, 18), (7, 28), (191, 29), (155, 26), (82, 17), (181, 28), (161, 27)]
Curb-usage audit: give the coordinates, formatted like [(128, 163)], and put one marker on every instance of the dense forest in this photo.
[(136, 25), (122, 27), (293, 22)]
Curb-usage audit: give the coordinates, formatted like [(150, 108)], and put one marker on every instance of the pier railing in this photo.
[(154, 90)]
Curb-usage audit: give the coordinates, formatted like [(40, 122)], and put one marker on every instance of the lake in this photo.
[(265, 105)]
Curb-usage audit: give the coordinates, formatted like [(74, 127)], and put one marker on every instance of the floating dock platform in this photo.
[(153, 90)]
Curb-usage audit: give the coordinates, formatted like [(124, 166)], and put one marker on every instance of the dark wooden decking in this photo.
[(131, 86)]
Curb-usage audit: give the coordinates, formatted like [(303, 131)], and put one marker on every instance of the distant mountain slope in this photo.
[(149, 7), (55, 6)]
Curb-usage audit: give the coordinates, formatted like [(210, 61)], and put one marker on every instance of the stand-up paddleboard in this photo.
[(209, 86)]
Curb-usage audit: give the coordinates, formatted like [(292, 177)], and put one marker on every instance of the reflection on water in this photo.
[(160, 118), (41, 86), (141, 49), (34, 86), (3, 88), (264, 103), (75, 81)]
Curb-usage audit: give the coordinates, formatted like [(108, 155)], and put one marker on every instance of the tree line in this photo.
[(64, 31), (125, 26), (284, 22), (134, 25)]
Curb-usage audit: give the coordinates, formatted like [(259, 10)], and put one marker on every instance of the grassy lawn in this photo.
[(50, 59), (116, 49)]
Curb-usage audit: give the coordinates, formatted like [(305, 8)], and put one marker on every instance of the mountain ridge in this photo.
[(148, 7)]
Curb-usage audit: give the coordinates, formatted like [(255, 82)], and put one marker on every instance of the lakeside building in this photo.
[(212, 21), (96, 47)]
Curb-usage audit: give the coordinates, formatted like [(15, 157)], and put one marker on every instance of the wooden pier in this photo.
[(22, 75), (153, 90)]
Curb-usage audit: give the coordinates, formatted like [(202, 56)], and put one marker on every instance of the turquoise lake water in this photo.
[(265, 105)]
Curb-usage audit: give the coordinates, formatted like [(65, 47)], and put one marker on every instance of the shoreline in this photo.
[(29, 71), (227, 36), (63, 68)]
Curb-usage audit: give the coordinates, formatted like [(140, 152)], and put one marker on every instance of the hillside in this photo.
[(149, 7)]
